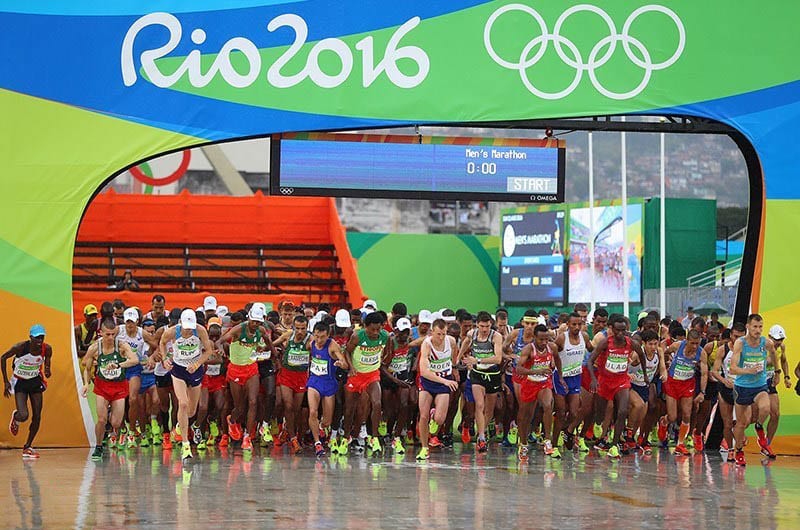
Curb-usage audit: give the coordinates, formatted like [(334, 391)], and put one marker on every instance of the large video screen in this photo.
[(532, 264), (609, 253), (421, 167)]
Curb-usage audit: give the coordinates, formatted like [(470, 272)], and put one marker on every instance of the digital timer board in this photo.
[(418, 167)]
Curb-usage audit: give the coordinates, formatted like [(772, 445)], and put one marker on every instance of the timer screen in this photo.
[(422, 167)]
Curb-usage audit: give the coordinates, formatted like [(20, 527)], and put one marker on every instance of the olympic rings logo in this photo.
[(287, 191), (594, 60)]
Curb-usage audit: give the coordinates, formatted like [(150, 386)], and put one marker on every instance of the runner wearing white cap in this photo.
[(776, 374), (396, 382), (191, 350), (210, 306), (222, 310), (137, 338)]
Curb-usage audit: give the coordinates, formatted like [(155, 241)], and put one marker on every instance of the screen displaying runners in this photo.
[(608, 251), (420, 167), (532, 265)]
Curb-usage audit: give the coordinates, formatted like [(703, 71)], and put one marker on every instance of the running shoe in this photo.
[(556, 453), (375, 444), (186, 451), (522, 453), (176, 434), (13, 426), (197, 434), (155, 428), (30, 453), (319, 450), (156, 436), (560, 440), (630, 444), (602, 445), (344, 445), (131, 441), (167, 445), (202, 445), (224, 441), (465, 437), (266, 438), (97, 454), (723, 445), (681, 449), (234, 430), (397, 446), (323, 435), (740, 461), (548, 447), (145, 441), (731, 458), (482, 446), (569, 441), (433, 427), (434, 442), (506, 443), (698, 442), (447, 440), (646, 447), (513, 434), (362, 433), (382, 430), (613, 452), (121, 439), (296, 447), (766, 450), (662, 430), (409, 439), (213, 429), (423, 454), (582, 447), (333, 445)]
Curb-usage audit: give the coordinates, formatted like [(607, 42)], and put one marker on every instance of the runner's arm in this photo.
[(206, 352), (523, 358), (785, 366), (637, 347), (497, 358), (12, 352), (130, 357), (87, 363), (735, 357), (703, 375), (150, 338), (228, 335), (589, 344), (48, 355), (600, 348)]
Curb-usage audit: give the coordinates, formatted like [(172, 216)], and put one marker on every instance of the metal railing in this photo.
[(724, 275)]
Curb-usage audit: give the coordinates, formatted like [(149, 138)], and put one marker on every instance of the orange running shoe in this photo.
[(662, 429), (224, 441), (296, 447), (434, 442), (176, 436), (681, 449), (167, 442), (465, 437), (234, 430), (698, 442)]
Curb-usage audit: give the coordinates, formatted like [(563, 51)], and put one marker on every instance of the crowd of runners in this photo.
[(345, 381)]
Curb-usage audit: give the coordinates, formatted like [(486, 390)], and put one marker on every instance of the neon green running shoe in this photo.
[(382, 429), (613, 452), (582, 447), (556, 453), (433, 427), (186, 451), (201, 446), (213, 429), (423, 454), (97, 455), (344, 446), (375, 444), (513, 435), (397, 446)]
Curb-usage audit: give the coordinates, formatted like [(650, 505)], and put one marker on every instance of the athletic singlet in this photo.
[(104, 371), (539, 361), (682, 368), (87, 338), (146, 354), (753, 357), (136, 342), (726, 364), (713, 355), (186, 349), (296, 356), (28, 366), (367, 354), (321, 360), (242, 351), (483, 349), (441, 361), (572, 356), (616, 359), (160, 371), (516, 347), (401, 358), (651, 365)]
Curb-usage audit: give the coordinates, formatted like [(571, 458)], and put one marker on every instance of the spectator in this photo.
[(128, 283), (690, 315)]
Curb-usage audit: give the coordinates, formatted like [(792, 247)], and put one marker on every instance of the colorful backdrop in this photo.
[(89, 88)]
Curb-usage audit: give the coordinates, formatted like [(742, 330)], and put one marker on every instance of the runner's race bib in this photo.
[(213, 369), (617, 363), (319, 367), (297, 358), (539, 378), (26, 371), (399, 364), (370, 360), (573, 369), (442, 367)]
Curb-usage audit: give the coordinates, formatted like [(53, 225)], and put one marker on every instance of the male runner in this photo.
[(512, 346), (396, 382), (365, 349), (721, 372), (326, 356), (213, 388), (482, 350), (703, 412), (644, 403), (293, 375), (27, 383), (679, 385), (86, 331), (538, 363), (573, 347), (136, 337), (191, 350), (113, 357), (437, 356), (612, 355), (749, 364), (777, 335), (249, 342), (157, 305), (150, 403)]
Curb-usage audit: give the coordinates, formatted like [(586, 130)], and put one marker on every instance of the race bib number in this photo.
[(263, 355), (370, 360), (319, 367), (26, 371), (573, 369), (683, 372), (111, 373), (617, 363), (213, 369), (539, 378), (399, 364), (441, 367), (297, 358), (759, 365)]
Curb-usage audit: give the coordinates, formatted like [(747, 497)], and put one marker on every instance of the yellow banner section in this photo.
[(62, 422)]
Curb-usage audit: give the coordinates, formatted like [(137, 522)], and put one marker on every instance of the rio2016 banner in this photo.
[(88, 89)]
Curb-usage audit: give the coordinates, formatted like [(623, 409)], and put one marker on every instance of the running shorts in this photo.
[(148, 382), (516, 378), (608, 386), (468, 391), (192, 380), (573, 385), (712, 391), (361, 380), (746, 395), (327, 386), (492, 382), (726, 394), (586, 380), (679, 389), (771, 388), (240, 374), (643, 391), (214, 383), (164, 381), (133, 371), (34, 385), (265, 368), (529, 391), (388, 384), (433, 388), (297, 381), (110, 390)]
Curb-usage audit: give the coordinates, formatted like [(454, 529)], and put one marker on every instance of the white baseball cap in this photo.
[(261, 306), (256, 313), (188, 319), (403, 324), (371, 303), (200, 308), (222, 310), (425, 317), (343, 318), (209, 303), (777, 332), (133, 314), (436, 315)]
